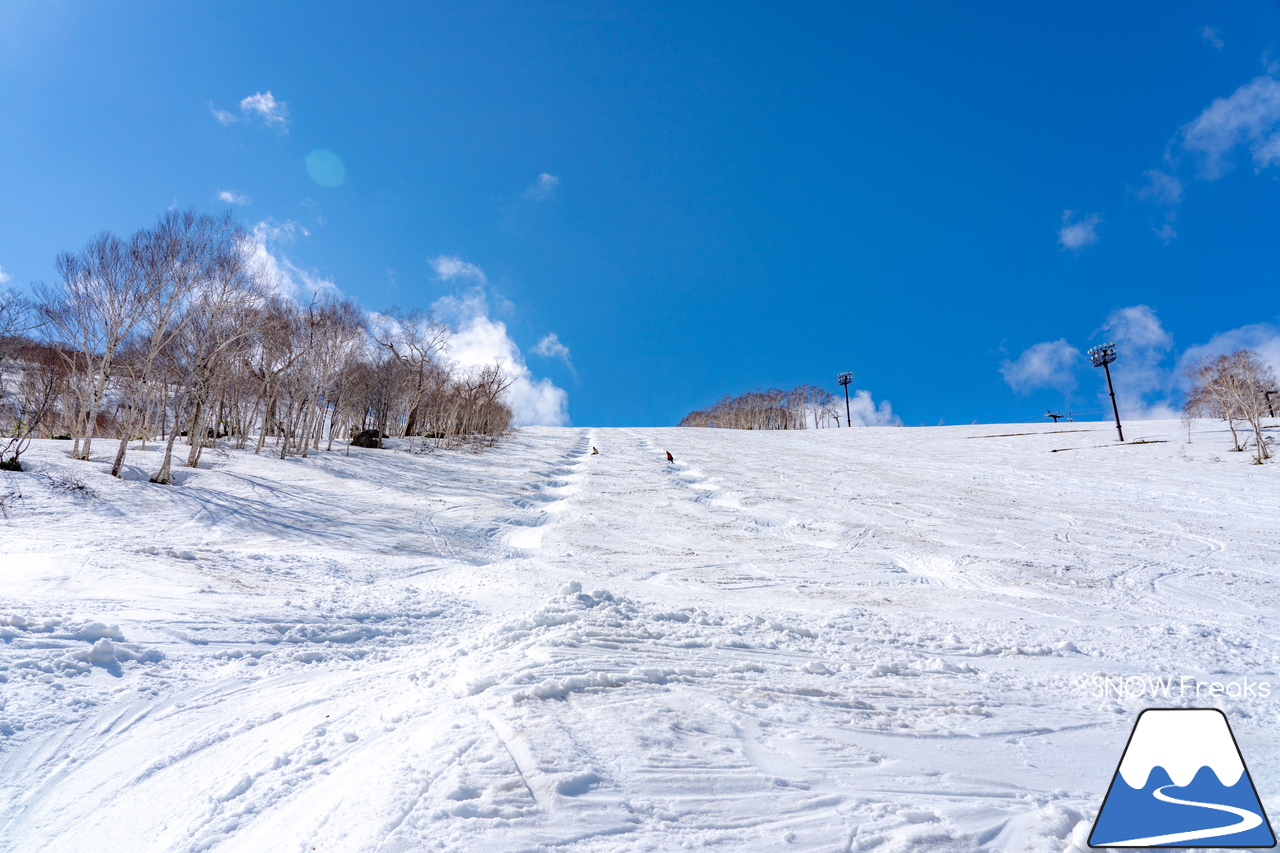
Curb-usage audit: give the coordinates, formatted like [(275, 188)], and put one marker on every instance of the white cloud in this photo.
[(1165, 190), (1143, 385), (232, 197), (223, 117), (1211, 36), (1248, 116), (1262, 338), (4, 276), (1146, 387), (551, 347), (1139, 327), (865, 412), (274, 112), (543, 188), (450, 267), (479, 340), (285, 277), (1077, 235), (1051, 364), (1162, 188)]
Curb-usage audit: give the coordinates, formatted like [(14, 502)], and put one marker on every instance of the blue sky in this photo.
[(953, 201)]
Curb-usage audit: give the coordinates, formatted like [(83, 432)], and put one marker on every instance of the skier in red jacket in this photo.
[(670, 458)]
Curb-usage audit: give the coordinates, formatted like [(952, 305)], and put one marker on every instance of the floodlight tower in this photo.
[(844, 379), (1102, 355)]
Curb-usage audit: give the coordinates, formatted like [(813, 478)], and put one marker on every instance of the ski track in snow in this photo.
[(838, 640)]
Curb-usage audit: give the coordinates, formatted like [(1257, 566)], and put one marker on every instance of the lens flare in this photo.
[(325, 168)]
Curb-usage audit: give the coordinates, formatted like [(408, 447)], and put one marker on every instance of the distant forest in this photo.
[(803, 407)]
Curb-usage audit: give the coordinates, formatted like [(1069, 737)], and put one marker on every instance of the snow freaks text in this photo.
[(1102, 686)]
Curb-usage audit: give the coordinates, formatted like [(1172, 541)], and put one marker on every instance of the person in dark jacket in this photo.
[(670, 458)]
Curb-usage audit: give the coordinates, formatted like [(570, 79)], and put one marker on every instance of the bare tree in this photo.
[(39, 387), (94, 310), (1211, 395), (17, 316), (340, 332), (416, 339), (218, 322), (177, 332), (1254, 377), (1232, 387), (171, 261)]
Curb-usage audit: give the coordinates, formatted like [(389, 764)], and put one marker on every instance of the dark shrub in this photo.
[(368, 438)]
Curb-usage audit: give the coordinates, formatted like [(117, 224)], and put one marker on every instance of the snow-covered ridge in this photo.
[(1181, 741)]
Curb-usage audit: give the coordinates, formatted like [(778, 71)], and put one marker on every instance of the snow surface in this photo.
[(838, 640)]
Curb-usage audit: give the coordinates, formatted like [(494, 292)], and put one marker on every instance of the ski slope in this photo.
[(841, 640)]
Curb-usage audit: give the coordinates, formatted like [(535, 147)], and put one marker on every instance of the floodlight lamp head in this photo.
[(844, 378), (1103, 354)]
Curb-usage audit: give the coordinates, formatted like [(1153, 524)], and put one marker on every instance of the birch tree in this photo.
[(94, 310), (1232, 387)]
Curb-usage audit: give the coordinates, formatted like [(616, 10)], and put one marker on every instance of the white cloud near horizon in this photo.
[(479, 340), (1077, 235), (1050, 364), (233, 197), (274, 113), (865, 412), (287, 279), (1143, 385), (1147, 387), (1262, 338), (543, 188), (4, 276)]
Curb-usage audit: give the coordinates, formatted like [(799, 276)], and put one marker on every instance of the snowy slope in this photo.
[(870, 639)]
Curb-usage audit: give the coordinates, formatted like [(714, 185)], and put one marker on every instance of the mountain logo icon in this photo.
[(1182, 783)]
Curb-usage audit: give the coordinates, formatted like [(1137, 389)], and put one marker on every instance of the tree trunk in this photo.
[(164, 477), (1262, 453), (267, 415), (193, 457), (119, 460), (99, 394)]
